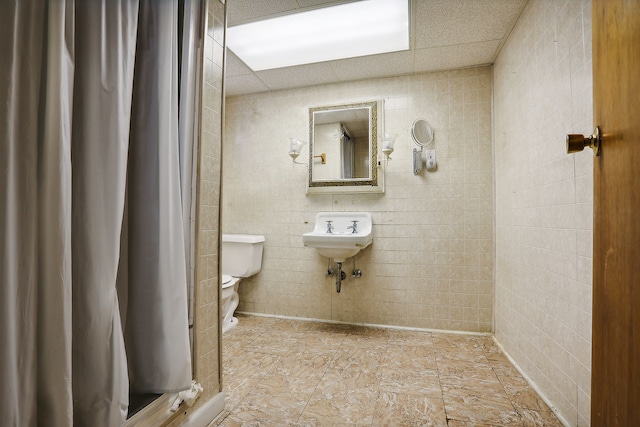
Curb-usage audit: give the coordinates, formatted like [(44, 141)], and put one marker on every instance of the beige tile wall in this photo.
[(431, 261), (544, 214), (209, 177), (207, 319)]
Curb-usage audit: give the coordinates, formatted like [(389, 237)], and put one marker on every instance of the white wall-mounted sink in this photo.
[(334, 235)]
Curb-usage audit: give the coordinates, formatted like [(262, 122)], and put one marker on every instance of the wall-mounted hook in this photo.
[(576, 143)]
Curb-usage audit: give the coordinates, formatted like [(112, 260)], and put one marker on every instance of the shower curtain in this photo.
[(348, 155), (89, 121), (157, 274)]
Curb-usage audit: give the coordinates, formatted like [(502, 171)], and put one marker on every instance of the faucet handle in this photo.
[(329, 226)]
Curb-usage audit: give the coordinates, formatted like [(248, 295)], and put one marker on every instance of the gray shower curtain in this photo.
[(77, 130), (36, 75), (348, 156), (157, 273)]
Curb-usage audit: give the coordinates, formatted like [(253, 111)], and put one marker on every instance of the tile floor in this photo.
[(296, 373)]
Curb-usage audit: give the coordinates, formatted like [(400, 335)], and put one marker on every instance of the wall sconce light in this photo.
[(387, 144), (294, 149)]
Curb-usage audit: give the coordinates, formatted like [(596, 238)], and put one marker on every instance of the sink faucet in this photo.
[(353, 226), (329, 227)]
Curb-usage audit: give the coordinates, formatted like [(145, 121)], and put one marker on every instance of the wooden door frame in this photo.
[(615, 384)]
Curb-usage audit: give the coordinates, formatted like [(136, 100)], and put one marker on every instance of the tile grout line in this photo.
[(316, 387)]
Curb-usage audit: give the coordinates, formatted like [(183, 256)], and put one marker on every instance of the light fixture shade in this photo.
[(296, 146), (387, 143), (344, 31)]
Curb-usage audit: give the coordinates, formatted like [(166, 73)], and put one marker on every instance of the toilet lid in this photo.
[(226, 278)]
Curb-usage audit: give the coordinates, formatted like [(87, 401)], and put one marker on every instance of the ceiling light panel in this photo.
[(349, 30)]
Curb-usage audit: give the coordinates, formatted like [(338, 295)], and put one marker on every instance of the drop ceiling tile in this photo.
[(240, 12), (243, 11), (452, 22), (451, 57), (298, 76), (373, 66), (235, 67), (242, 85), (474, 30), (327, 3)]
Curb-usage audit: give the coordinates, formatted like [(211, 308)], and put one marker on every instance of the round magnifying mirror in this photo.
[(422, 132)]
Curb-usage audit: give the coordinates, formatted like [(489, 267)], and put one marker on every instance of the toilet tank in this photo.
[(241, 254)]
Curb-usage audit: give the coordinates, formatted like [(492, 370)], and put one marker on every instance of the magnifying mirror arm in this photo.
[(417, 160)]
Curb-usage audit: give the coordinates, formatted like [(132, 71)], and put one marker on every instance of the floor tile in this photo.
[(235, 389), (397, 409), (277, 398), (531, 418), (480, 410), (272, 345), (418, 382), (412, 338), (351, 357), (344, 398), (410, 357), (306, 365), (249, 363), (280, 372)]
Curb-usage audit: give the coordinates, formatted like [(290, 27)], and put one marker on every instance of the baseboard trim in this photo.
[(533, 385), (369, 325)]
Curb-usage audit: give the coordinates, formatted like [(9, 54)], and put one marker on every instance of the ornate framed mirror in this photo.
[(343, 147)]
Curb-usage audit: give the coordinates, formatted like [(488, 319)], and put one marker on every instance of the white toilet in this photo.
[(241, 257)]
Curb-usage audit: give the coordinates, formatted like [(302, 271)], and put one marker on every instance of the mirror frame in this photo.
[(370, 183)]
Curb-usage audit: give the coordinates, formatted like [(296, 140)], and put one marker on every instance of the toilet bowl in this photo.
[(230, 301), (241, 257)]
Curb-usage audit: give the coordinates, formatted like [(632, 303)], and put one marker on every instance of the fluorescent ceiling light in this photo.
[(345, 31)]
